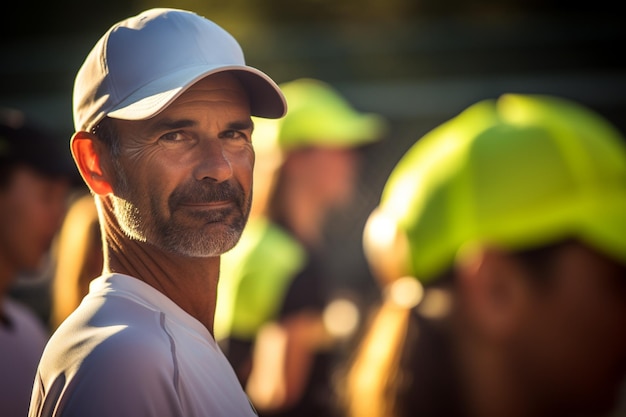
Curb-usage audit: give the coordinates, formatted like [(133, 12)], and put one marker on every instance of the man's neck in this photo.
[(191, 283)]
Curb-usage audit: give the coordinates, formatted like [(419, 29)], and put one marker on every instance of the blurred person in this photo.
[(272, 299), (77, 257), (163, 108), (500, 246), (35, 180)]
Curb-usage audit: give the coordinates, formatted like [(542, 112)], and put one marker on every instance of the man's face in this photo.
[(184, 177), (32, 207), (572, 345)]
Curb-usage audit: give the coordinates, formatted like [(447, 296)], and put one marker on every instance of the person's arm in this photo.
[(283, 355)]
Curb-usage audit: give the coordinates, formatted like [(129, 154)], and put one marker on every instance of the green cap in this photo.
[(518, 172), (318, 116)]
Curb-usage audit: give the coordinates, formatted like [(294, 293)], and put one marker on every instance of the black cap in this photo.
[(22, 141)]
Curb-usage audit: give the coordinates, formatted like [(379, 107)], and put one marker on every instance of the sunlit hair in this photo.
[(378, 379), (78, 256), (371, 384)]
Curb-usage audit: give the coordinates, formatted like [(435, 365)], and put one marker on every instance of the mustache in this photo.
[(202, 193)]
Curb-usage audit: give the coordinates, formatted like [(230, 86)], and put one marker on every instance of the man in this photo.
[(36, 173), (511, 220), (162, 112), (275, 289)]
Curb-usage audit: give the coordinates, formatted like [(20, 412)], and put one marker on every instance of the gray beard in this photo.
[(174, 236)]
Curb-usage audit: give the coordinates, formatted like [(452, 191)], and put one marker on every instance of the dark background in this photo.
[(417, 63)]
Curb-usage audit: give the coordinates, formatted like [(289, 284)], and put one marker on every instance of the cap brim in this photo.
[(266, 99)]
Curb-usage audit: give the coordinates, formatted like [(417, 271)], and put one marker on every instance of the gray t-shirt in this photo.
[(128, 350)]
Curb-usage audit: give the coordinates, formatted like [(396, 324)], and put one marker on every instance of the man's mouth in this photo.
[(209, 204)]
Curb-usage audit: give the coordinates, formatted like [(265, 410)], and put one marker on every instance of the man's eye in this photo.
[(234, 134), (172, 137)]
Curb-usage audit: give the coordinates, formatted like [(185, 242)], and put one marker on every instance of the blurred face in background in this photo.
[(570, 343), (330, 173), (32, 207)]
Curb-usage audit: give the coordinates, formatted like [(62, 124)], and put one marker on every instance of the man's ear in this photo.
[(493, 290), (87, 151)]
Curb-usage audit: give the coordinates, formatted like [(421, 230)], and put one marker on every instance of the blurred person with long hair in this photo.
[(500, 245), (274, 293)]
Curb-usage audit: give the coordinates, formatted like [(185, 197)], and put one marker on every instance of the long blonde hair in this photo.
[(78, 256), (374, 375)]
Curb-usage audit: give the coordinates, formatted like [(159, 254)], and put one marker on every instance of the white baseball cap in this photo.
[(143, 63)]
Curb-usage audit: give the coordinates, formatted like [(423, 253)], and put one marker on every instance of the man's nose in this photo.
[(213, 163)]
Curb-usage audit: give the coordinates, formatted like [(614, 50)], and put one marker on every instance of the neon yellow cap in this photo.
[(318, 116), (517, 172)]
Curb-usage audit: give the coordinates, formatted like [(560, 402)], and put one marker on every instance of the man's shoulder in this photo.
[(91, 360), (111, 331), (110, 368)]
